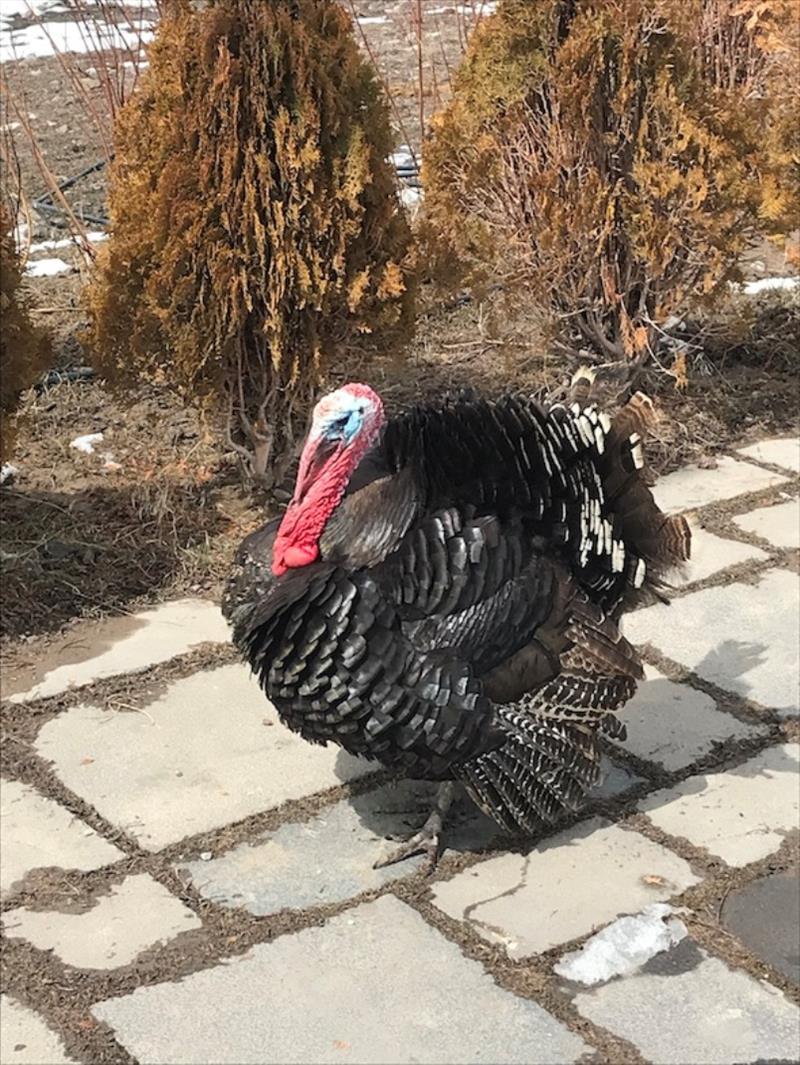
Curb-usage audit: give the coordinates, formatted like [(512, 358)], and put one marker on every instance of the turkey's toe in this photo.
[(427, 841)]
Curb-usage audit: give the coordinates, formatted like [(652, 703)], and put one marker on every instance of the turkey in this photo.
[(443, 593)]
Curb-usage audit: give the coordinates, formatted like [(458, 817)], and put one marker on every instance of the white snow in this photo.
[(478, 7), (94, 237), (770, 284), (43, 39), (372, 20), (7, 471), (46, 267), (403, 157), (86, 443), (623, 946), (411, 197)]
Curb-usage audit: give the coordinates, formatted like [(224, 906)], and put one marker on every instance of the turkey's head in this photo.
[(344, 425)]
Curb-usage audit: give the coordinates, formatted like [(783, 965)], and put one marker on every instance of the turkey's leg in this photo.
[(427, 840)]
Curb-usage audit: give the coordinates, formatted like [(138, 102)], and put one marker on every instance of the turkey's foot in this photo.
[(427, 840)]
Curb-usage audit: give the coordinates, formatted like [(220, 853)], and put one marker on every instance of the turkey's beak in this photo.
[(316, 455)]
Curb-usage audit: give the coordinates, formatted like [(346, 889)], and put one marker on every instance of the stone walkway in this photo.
[(183, 880)]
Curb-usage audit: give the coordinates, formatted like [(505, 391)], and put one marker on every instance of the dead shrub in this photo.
[(257, 237), (593, 154)]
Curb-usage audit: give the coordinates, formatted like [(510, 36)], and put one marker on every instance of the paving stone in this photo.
[(781, 451), (615, 778), (329, 858), (740, 815), (711, 554), (37, 832), (674, 725), (529, 903), (374, 985), (686, 1006), (780, 525), (209, 751), (25, 1039), (120, 645), (765, 915), (692, 487), (137, 914), (743, 637)]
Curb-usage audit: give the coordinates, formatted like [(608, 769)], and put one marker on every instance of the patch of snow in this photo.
[(479, 7), (411, 197), (403, 158), (46, 267), (23, 8), (9, 127), (770, 284), (94, 237), (372, 20), (86, 443), (43, 39), (623, 946), (7, 472)]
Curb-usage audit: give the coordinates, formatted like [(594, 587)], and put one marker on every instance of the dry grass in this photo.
[(80, 539)]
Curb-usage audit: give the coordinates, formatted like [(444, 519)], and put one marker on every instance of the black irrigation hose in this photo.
[(408, 173), (71, 373), (45, 203)]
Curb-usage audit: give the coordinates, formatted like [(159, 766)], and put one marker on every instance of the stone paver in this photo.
[(25, 1039), (674, 724), (373, 985), (37, 832), (743, 637), (615, 778), (693, 487), (686, 1006), (209, 751), (137, 914), (125, 645), (765, 915), (711, 554), (567, 886), (742, 814), (330, 857), (780, 525), (781, 451)]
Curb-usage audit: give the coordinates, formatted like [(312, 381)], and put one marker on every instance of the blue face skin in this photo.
[(344, 424)]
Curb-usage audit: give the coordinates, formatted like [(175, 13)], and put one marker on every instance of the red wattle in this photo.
[(293, 557)]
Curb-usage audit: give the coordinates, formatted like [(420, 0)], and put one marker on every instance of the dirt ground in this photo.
[(157, 510)]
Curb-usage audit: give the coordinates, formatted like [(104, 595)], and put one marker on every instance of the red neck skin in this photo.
[(297, 540)]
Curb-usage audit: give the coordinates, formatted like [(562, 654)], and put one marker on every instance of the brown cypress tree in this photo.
[(257, 238), (587, 155), (24, 349)]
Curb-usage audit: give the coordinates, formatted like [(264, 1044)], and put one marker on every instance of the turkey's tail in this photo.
[(544, 769), (663, 541)]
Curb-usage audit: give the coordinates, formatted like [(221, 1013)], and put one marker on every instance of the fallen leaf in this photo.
[(339, 1044), (87, 760), (654, 881)]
